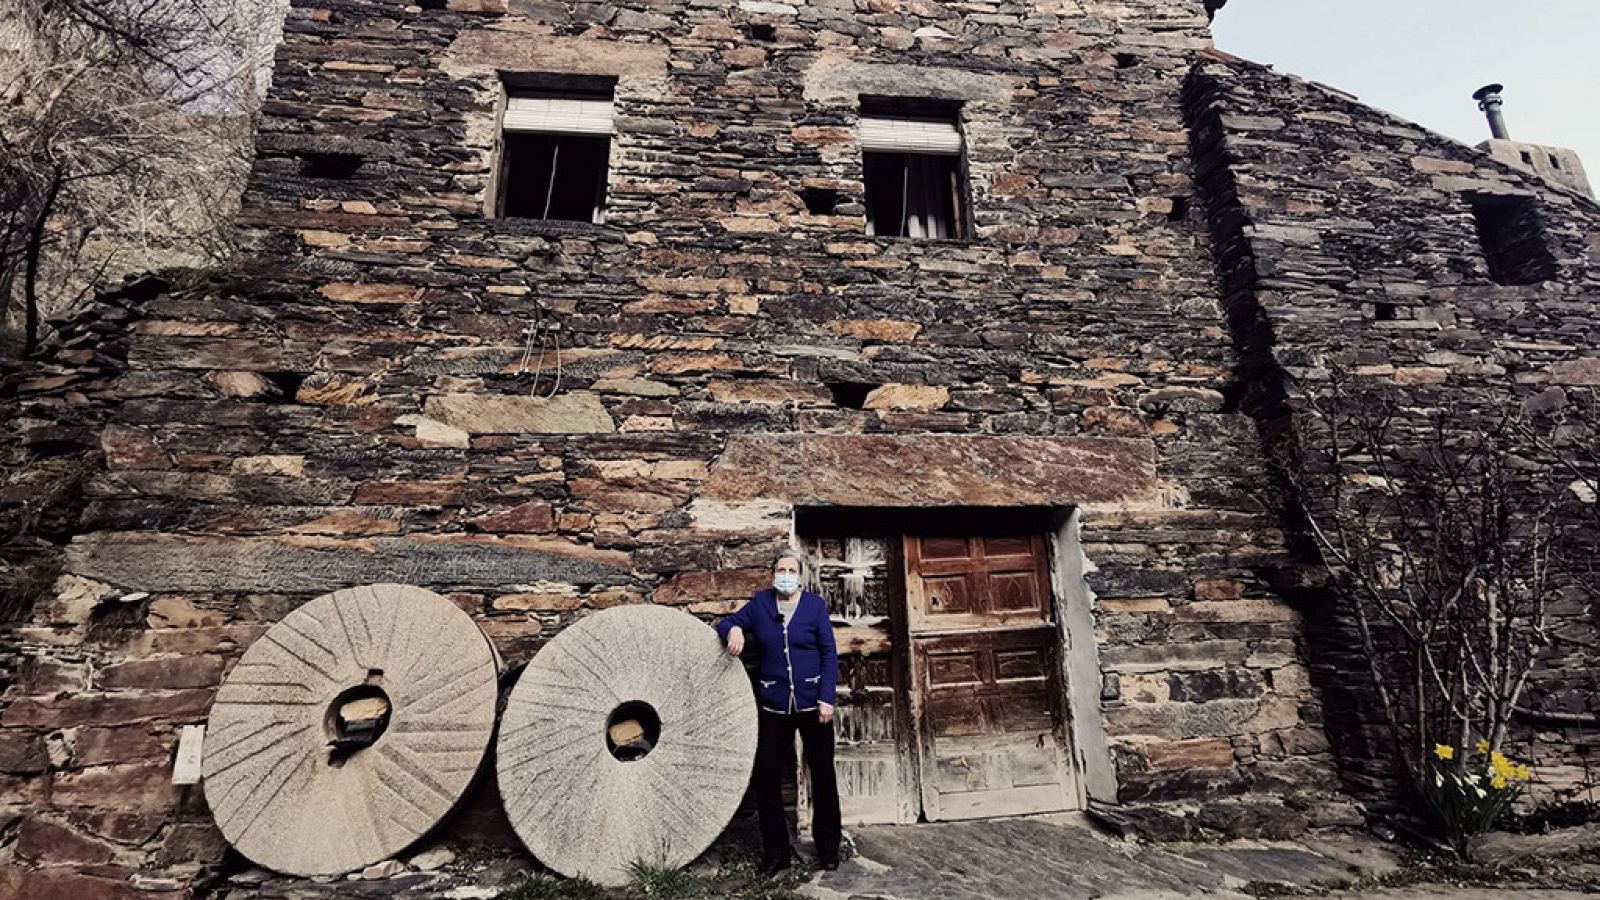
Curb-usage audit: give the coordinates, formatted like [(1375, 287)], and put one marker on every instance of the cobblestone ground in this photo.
[(1446, 892), (1063, 857), (1006, 859)]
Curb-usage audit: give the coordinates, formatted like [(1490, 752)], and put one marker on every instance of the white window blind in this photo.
[(887, 135), (558, 115)]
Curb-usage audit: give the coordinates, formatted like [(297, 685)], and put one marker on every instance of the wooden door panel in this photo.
[(998, 547), (975, 582), (1012, 592), (949, 595), (937, 548), (961, 667), (957, 712), (991, 744), (984, 677), (964, 772), (1022, 662), (1036, 765)]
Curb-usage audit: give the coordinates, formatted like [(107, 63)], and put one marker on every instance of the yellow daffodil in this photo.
[(1502, 766), (1444, 751), (1524, 773), (1483, 746), (1499, 781)]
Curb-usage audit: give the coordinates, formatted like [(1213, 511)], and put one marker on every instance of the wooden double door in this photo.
[(985, 677)]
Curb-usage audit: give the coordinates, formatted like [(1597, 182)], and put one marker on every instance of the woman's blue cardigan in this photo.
[(800, 664)]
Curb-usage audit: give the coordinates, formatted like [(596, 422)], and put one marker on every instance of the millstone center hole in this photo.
[(632, 730), (356, 718)]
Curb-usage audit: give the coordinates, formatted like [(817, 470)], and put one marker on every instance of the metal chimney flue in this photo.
[(1489, 101)]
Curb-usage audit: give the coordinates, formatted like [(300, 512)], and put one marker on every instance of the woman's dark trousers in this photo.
[(773, 754)]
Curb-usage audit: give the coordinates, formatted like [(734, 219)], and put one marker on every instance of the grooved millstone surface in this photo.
[(269, 780), (582, 811)]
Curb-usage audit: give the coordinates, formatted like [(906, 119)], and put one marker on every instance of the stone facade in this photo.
[(541, 419), (1346, 240)]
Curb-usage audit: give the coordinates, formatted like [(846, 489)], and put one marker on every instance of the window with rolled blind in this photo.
[(554, 158), (913, 174)]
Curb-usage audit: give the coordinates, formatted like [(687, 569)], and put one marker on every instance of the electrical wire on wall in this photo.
[(543, 333)]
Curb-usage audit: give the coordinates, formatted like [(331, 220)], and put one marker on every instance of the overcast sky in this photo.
[(1422, 59)]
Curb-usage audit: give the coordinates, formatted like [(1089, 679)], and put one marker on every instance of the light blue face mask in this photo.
[(786, 583)]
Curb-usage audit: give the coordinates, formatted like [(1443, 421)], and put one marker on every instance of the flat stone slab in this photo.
[(277, 792), (1059, 856), (580, 809), (577, 413), (183, 563), (934, 470)]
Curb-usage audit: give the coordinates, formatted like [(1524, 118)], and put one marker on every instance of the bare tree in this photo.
[(1444, 526), (114, 120)]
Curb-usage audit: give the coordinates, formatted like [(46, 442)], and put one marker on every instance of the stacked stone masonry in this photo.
[(542, 419)]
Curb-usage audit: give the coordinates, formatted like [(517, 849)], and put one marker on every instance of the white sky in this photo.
[(1422, 59)]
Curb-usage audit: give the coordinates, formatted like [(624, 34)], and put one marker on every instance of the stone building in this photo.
[(552, 306)]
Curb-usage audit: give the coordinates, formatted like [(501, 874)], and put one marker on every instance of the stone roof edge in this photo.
[(1214, 57)]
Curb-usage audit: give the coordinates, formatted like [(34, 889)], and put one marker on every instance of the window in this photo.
[(553, 164), (1512, 236), (912, 168)]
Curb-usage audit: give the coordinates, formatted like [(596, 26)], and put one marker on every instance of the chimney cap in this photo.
[(1487, 90)]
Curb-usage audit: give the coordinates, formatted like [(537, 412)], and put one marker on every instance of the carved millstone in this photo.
[(287, 800), (586, 812)]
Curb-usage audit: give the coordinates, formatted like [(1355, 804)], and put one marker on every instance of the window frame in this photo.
[(571, 111), (915, 128)]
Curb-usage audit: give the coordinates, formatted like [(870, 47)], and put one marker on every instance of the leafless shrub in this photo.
[(121, 138), (1448, 526)]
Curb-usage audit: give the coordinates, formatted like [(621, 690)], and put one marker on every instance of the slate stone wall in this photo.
[(1346, 241), (542, 419)]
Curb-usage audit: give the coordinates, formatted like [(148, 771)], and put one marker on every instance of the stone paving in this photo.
[(1064, 857), (1039, 858)]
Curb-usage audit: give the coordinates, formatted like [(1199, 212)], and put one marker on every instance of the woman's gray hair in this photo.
[(789, 554)]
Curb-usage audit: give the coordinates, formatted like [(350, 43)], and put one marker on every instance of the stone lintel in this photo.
[(934, 470), (296, 565)]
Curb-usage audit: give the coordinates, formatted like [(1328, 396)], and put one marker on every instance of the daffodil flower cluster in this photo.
[(1469, 790)]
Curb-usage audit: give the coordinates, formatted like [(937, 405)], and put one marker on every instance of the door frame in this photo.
[(1080, 675)]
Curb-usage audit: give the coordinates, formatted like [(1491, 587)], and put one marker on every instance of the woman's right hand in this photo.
[(735, 641)]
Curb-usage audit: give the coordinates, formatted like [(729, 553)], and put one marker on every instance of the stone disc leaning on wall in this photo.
[(287, 800), (587, 808)]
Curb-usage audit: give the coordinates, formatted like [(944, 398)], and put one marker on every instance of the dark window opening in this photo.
[(433, 4), (850, 394), (914, 195), (1127, 60), (1527, 158), (1179, 211), (763, 32), (554, 176), (1384, 312), (333, 166), (1512, 235), (820, 201), (1555, 162)]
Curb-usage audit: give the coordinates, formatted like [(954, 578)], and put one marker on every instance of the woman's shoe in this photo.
[(772, 867)]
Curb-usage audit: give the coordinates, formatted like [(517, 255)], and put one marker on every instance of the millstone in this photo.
[(579, 808), (289, 802)]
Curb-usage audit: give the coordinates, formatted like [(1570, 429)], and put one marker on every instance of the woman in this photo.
[(799, 666)]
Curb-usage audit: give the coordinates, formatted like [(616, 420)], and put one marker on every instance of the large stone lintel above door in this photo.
[(935, 470)]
